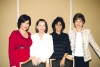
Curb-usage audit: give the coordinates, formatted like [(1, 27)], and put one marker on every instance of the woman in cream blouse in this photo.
[(42, 47), (80, 39)]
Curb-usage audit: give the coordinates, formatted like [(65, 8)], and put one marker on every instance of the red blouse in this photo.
[(19, 48)]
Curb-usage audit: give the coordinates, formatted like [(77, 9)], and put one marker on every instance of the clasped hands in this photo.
[(36, 61)]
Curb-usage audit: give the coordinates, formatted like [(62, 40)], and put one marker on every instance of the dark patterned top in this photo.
[(61, 45)]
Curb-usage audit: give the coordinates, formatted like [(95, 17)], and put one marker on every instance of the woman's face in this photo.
[(25, 25), (78, 23), (58, 27), (41, 27)]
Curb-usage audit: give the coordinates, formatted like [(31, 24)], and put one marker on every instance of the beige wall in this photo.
[(48, 10)]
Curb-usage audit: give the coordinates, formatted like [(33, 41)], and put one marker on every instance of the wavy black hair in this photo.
[(22, 19), (58, 19)]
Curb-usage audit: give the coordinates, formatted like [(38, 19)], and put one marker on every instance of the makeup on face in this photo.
[(25, 25), (41, 26), (58, 27), (78, 23)]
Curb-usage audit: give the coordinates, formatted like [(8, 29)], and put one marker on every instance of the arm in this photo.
[(32, 47), (32, 53), (12, 43), (68, 52), (68, 46), (50, 48), (94, 44), (63, 59), (29, 40), (35, 61), (33, 58)]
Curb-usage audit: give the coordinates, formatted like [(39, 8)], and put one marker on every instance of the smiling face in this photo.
[(58, 27), (24, 25), (41, 27), (79, 23)]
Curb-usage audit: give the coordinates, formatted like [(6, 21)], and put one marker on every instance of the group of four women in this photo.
[(58, 49)]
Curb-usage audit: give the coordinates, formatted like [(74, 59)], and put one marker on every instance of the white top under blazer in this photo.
[(79, 49)]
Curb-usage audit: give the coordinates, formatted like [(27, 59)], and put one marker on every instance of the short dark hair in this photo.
[(77, 16), (58, 19), (22, 19), (46, 30)]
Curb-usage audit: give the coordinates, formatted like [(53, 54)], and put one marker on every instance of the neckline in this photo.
[(42, 36), (80, 31), (57, 33), (23, 36)]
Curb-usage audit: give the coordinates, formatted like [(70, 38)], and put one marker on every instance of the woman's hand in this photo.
[(13, 66), (35, 61), (69, 57), (39, 60), (62, 62)]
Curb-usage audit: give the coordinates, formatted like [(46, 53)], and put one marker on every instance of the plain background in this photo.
[(48, 10)]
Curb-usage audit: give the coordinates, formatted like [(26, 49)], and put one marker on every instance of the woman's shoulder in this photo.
[(71, 30), (29, 33), (34, 35), (64, 34), (52, 33), (14, 32), (74, 30), (86, 30), (48, 35)]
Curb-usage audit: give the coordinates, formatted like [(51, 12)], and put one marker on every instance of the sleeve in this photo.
[(29, 33), (32, 48), (12, 43), (32, 51), (50, 49), (94, 44), (68, 47), (69, 34), (29, 40)]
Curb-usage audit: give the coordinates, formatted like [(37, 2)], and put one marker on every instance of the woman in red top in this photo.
[(20, 42)]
